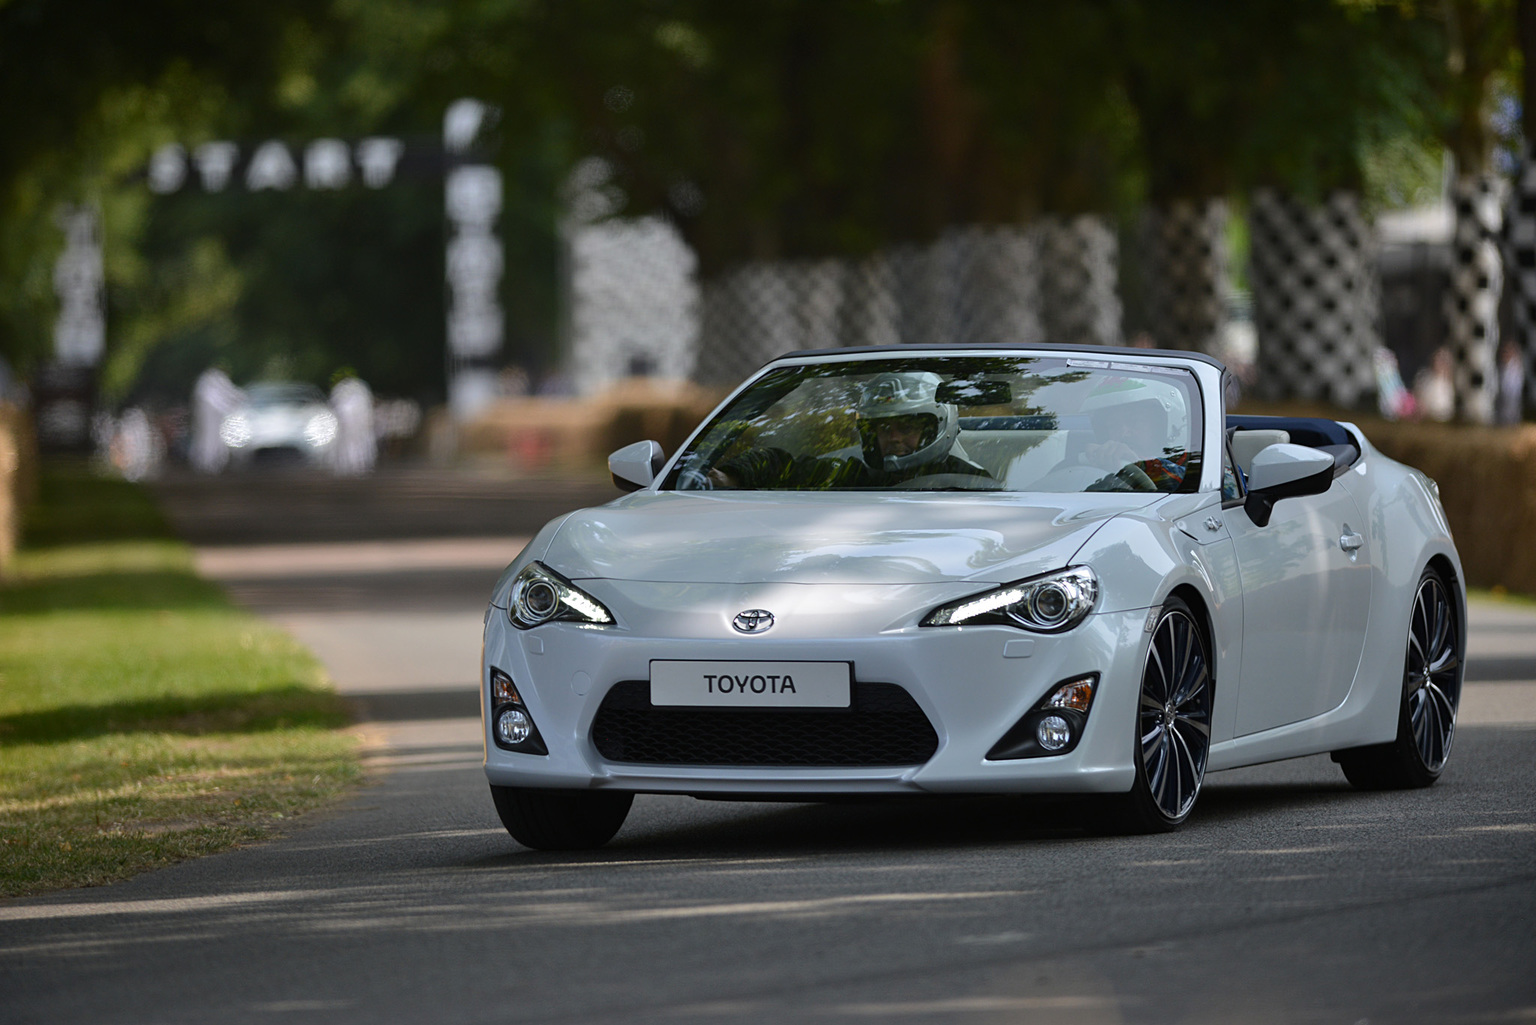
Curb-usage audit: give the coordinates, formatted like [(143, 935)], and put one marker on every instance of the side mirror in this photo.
[(635, 466), (1285, 471)]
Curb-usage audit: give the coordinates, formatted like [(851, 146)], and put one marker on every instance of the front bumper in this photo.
[(973, 684)]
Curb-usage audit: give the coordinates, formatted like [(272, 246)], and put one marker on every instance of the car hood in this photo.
[(829, 537)]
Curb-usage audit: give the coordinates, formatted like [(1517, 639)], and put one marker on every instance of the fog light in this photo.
[(1053, 733), (514, 727)]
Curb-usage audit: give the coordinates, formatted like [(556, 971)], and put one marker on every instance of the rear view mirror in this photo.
[(1285, 471), (635, 466)]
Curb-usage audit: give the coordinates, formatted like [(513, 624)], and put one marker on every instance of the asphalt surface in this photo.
[(1288, 897)]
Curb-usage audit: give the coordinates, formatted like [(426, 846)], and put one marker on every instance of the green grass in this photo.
[(1501, 596), (143, 719)]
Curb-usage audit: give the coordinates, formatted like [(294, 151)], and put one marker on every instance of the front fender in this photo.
[(1142, 558)]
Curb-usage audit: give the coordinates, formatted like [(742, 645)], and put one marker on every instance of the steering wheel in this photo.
[(1129, 477), (694, 479), (949, 481), (1136, 477)]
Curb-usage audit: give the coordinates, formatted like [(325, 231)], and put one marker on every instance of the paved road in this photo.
[(1288, 898)]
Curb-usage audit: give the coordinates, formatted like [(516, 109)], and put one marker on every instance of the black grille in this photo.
[(884, 727)]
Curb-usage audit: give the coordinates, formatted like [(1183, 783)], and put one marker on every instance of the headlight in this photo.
[(1048, 604), (321, 429), (235, 431), (540, 595)]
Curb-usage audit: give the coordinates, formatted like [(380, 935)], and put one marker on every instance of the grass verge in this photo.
[(143, 720)]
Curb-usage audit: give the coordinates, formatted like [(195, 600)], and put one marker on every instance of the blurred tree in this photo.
[(778, 129), (86, 89)]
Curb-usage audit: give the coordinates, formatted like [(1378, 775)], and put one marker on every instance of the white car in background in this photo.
[(1005, 569), (279, 419)]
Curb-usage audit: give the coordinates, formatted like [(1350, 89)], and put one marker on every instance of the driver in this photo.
[(904, 433), (1131, 433)]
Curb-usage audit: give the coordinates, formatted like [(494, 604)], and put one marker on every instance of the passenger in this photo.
[(1133, 436), (904, 432)]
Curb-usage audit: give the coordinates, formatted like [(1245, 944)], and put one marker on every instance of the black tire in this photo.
[(561, 820), (1426, 715), (1173, 728)]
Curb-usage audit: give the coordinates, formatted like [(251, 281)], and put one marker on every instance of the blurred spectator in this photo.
[(136, 449), (1393, 398), (213, 398), (513, 383), (1511, 383), (356, 448), (396, 421), (1434, 389)]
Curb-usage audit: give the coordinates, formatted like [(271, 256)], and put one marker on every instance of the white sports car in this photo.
[(997, 569)]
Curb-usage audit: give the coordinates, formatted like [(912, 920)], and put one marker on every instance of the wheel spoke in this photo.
[(1162, 674), (1193, 774), (1414, 648), (1199, 727), (1192, 687), (1440, 700), (1442, 621), (1418, 716), (1157, 764), (1189, 649), (1170, 764), (1446, 662), (1429, 748)]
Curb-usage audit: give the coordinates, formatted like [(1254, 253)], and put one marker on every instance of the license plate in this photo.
[(751, 684)]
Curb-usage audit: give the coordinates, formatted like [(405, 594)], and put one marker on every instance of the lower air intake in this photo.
[(884, 727)]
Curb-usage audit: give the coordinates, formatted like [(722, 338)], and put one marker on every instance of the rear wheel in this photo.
[(1426, 718), (1173, 727), (561, 820)]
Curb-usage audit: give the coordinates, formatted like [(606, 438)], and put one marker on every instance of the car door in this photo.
[(1306, 599)]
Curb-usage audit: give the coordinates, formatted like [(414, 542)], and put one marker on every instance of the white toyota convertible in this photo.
[(1004, 569)]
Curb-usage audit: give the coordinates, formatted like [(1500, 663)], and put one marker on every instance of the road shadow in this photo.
[(222, 712), (913, 824), (416, 705)]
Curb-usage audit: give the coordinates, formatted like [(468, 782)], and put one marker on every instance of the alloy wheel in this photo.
[(1174, 719), (1432, 682)]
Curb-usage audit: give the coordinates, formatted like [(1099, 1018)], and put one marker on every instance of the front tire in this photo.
[(561, 820), (1426, 717), (1173, 726)]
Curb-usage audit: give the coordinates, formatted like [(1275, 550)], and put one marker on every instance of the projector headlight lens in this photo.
[(540, 595)]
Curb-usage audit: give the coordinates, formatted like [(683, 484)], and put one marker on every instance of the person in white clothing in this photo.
[(213, 398), (356, 447)]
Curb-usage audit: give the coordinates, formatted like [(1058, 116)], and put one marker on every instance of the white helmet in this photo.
[(1164, 405), (907, 394)]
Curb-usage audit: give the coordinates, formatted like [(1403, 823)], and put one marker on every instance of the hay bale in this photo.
[(538, 434), (18, 476)]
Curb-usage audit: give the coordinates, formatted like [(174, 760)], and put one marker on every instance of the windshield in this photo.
[(283, 394), (964, 423)]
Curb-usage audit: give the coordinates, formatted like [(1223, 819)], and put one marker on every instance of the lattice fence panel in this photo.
[(1472, 301), (1316, 301), (1184, 252)]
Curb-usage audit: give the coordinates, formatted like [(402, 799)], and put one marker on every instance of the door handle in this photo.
[(1349, 541)]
